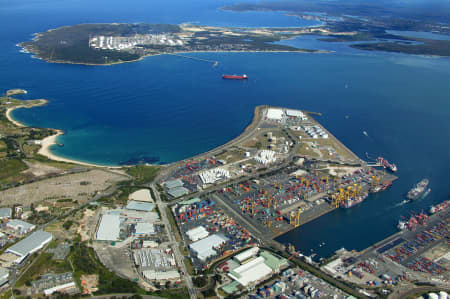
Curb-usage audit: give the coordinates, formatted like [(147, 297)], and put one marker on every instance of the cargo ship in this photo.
[(381, 187), (440, 207), (385, 163), (354, 201), (419, 190), (235, 77)]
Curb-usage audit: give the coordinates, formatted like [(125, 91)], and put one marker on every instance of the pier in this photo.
[(215, 63)]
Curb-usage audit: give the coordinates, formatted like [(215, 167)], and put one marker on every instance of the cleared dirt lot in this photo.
[(117, 260), (79, 186)]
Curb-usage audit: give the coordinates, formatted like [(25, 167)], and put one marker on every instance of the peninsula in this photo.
[(104, 44), (370, 28)]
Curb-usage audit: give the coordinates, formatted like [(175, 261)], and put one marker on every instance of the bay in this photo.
[(167, 108)]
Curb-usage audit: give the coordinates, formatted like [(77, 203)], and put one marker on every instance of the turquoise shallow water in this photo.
[(167, 108)]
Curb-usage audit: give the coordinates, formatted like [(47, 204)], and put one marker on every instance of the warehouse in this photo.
[(141, 195), (178, 191), (205, 247), (174, 184), (144, 229), (140, 206), (197, 233), (29, 245), (109, 228), (156, 264), (251, 272), (20, 226), (294, 113), (274, 114), (245, 255)]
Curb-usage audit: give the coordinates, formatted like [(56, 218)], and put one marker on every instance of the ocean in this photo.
[(166, 108)]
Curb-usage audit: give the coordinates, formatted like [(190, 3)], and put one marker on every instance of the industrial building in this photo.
[(204, 248), (20, 226), (50, 283), (174, 184), (175, 188), (250, 272), (296, 114), (250, 267), (156, 264), (109, 228), (140, 206), (144, 229), (140, 216), (274, 114), (141, 195), (5, 213), (197, 233), (4, 275), (245, 255), (29, 245), (178, 191)]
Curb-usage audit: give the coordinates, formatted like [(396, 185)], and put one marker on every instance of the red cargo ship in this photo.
[(383, 162), (236, 77)]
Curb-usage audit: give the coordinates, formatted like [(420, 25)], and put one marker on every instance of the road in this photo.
[(176, 249)]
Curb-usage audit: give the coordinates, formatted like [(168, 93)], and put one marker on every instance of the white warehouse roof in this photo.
[(252, 271), (109, 228), (20, 225), (246, 254), (145, 228), (205, 247), (197, 233), (30, 244), (273, 113), (295, 113)]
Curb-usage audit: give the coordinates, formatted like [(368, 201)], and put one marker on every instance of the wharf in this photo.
[(308, 216), (407, 234)]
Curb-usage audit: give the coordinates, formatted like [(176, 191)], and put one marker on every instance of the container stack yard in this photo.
[(420, 254), (291, 197), (224, 233)]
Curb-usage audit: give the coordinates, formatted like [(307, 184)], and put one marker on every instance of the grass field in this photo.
[(11, 168), (143, 174)]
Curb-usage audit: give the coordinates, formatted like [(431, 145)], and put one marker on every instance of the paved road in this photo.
[(178, 256)]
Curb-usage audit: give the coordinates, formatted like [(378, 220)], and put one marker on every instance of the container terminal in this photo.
[(418, 253), (283, 171)]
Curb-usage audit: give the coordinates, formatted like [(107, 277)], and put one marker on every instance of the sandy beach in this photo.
[(9, 117), (42, 102), (47, 142)]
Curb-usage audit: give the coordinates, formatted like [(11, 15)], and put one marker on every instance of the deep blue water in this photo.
[(172, 108)]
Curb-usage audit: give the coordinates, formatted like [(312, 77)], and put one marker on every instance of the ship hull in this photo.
[(235, 77), (419, 190)]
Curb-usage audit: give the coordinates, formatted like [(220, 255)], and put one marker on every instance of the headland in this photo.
[(108, 44)]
